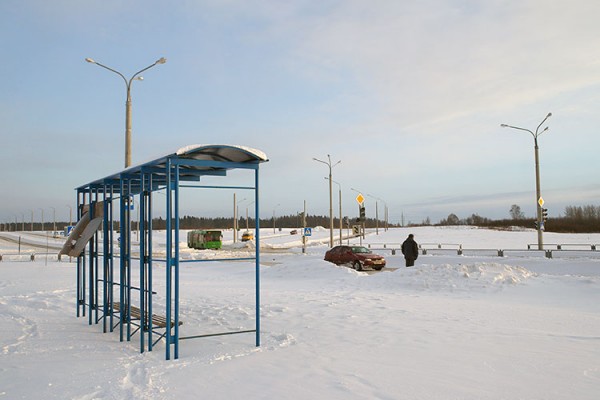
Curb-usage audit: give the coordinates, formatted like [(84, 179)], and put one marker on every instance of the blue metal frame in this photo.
[(168, 173)]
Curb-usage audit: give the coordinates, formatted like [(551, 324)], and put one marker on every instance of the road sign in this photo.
[(307, 231), (360, 199), (541, 202)]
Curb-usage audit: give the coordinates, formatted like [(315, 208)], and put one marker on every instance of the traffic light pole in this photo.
[(363, 216), (538, 197), (538, 193)]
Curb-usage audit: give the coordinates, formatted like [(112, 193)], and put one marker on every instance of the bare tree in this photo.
[(451, 220), (515, 212)]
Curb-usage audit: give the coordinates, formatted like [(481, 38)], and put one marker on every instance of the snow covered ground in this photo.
[(471, 326)]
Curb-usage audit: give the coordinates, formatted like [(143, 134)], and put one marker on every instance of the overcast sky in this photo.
[(408, 95)]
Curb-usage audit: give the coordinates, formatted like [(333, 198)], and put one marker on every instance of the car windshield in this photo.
[(360, 249)]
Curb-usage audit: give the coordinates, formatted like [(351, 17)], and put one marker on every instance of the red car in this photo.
[(358, 257)]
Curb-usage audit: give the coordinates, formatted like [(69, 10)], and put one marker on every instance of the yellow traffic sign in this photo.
[(541, 202), (360, 199)]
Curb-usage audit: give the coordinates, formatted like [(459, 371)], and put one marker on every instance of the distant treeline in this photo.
[(285, 221), (576, 219)]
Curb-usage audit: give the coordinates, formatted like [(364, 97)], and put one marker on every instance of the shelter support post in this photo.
[(172, 273), (80, 264), (257, 255)]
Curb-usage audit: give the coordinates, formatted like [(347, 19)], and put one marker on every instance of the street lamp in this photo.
[(42, 218), (162, 60), (274, 217), (248, 205), (330, 196), (235, 217), (53, 220), (538, 194), (340, 201), (385, 212), (70, 214), (376, 213)]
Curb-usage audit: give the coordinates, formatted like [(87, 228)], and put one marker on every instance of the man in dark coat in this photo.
[(410, 249)]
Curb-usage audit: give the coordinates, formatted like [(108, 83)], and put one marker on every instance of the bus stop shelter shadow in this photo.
[(103, 268)]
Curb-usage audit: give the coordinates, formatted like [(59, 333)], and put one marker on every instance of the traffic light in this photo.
[(544, 214), (362, 213), (535, 224)]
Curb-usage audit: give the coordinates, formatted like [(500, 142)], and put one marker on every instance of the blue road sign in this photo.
[(307, 231)]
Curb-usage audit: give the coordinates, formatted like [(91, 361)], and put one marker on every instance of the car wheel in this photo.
[(377, 268), (357, 265)]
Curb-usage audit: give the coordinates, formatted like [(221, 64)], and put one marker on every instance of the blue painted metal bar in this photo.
[(84, 264), (80, 274), (205, 173), (111, 295), (217, 187), (127, 246), (143, 279), (169, 238), (176, 266), (216, 334), (257, 261), (122, 309), (105, 262), (95, 243), (218, 259), (150, 292), (108, 239), (91, 265)]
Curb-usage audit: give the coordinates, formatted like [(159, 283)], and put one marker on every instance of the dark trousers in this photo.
[(410, 262)]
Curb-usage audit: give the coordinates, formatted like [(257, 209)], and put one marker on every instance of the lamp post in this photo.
[(235, 216), (42, 218), (340, 202), (376, 214), (385, 213), (538, 194), (162, 60), (53, 221), (70, 215), (328, 163), (274, 217), (248, 205)]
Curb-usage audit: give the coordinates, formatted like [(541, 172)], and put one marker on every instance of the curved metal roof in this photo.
[(231, 153), (195, 161)]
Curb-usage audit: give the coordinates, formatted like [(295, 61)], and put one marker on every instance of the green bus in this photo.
[(201, 239)]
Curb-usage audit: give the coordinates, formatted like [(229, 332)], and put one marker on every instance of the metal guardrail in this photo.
[(573, 246), (18, 257), (456, 247)]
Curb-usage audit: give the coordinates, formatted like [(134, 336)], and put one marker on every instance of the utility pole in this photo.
[(328, 163), (539, 202)]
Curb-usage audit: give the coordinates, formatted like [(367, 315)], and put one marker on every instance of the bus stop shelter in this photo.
[(105, 288)]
